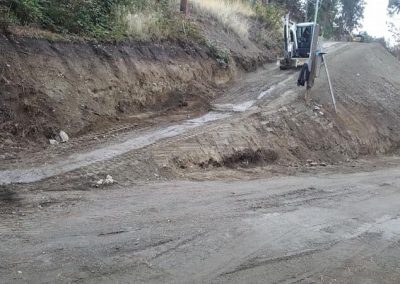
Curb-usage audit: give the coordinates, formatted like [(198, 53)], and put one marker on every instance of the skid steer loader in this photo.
[(298, 43)]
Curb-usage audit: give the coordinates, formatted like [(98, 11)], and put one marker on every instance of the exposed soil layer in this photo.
[(79, 88), (48, 86)]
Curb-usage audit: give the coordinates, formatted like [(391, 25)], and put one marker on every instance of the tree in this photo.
[(336, 17), (351, 14), (185, 7), (394, 6), (295, 7), (327, 16)]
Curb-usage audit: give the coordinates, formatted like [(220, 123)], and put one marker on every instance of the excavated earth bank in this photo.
[(264, 126), (47, 86)]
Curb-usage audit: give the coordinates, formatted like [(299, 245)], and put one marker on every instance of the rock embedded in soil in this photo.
[(53, 142), (63, 137)]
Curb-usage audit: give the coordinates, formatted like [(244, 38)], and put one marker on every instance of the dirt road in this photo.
[(309, 229)]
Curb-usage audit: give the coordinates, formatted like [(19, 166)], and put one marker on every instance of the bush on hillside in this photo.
[(139, 19), (93, 18)]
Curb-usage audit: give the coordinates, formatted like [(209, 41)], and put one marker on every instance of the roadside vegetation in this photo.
[(143, 20), (158, 20), (100, 19)]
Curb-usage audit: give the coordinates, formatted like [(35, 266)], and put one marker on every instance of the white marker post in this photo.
[(330, 82)]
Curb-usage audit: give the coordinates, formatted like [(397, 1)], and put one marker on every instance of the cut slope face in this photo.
[(78, 87)]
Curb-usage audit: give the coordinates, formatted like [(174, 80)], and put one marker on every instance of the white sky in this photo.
[(376, 18)]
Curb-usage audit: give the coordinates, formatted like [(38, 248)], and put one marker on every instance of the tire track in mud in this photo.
[(208, 240), (261, 261)]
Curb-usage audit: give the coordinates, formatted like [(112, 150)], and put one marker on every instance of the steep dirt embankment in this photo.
[(77, 87), (47, 86), (366, 81)]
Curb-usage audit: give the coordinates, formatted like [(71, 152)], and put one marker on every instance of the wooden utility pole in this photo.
[(185, 7)]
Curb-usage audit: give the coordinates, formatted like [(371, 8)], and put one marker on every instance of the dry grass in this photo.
[(144, 25), (230, 13), (152, 23)]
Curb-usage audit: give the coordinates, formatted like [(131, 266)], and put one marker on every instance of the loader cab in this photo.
[(298, 41), (304, 33)]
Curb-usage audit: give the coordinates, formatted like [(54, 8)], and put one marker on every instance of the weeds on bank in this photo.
[(232, 14), (159, 21), (143, 20), (222, 55)]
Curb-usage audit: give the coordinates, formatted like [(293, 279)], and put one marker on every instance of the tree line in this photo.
[(336, 17)]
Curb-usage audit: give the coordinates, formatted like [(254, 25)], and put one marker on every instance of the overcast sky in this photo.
[(376, 18)]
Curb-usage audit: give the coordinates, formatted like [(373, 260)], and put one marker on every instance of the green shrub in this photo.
[(26, 11), (94, 18), (222, 55), (102, 19), (139, 19)]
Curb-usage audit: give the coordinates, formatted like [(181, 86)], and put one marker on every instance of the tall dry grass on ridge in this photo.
[(152, 23), (145, 25), (230, 13)]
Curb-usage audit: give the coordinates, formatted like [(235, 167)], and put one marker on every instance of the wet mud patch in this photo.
[(10, 201), (8, 196), (246, 158), (250, 158)]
